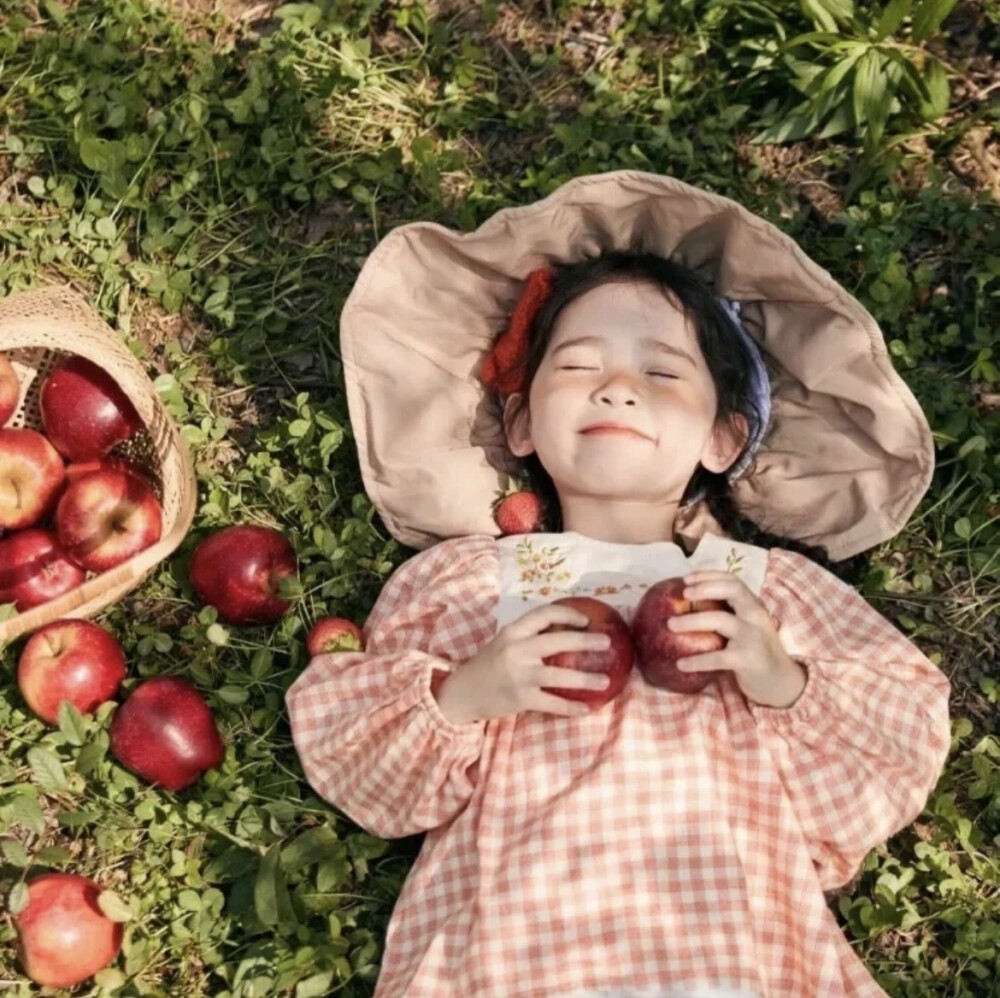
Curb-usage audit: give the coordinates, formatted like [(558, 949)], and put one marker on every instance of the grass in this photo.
[(212, 175)]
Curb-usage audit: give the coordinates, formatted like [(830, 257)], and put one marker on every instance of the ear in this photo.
[(517, 428), (725, 444)]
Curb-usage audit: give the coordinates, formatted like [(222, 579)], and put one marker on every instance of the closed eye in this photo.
[(657, 374)]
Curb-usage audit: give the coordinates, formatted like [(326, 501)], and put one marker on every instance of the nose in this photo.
[(619, 388)]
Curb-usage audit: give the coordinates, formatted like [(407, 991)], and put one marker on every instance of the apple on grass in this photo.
[(616, 661), (63, 936), (31, 475), (84, 411), (107, 517), (334, 634), (10, 390), (238, 570), (35, 569), (165, 733), (74, 660), (658, 648)]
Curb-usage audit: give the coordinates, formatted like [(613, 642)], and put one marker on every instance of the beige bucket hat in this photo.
[(848, 453)]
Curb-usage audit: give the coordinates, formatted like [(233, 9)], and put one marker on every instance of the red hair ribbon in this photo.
[(503, 367)]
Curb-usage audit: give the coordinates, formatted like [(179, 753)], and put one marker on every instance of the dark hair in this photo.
[(729, 363)]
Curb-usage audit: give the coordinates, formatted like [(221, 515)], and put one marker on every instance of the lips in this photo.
[(614, 428)]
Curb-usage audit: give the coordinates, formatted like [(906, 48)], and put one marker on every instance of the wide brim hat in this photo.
[(848, 453)]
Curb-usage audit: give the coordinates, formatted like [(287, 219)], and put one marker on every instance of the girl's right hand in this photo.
[(507, 674)]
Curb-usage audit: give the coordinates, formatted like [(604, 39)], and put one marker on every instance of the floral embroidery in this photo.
[(540, 575), (610, 589), (540, 566)]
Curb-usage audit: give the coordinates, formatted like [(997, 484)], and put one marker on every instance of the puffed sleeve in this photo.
[(862, 748), (370, 735)]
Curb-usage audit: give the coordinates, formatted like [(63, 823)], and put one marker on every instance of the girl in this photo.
[(660, 844)]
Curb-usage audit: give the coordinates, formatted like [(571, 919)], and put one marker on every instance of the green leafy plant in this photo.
[(859, 68)]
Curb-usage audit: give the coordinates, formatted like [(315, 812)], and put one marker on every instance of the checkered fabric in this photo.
[(663, 842)]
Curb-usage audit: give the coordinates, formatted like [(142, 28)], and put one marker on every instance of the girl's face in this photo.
[(623, 353)]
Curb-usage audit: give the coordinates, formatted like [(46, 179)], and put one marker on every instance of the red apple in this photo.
[(63, 936), (77, 469), (106, 517), (657, 648), (616, 661), (71, 660), (84, 412), (10, 390), (334, 634), (165, 733), (238, 569), (31, 475), (34, 569)]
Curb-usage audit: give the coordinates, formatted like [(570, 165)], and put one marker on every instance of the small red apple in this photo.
[(657, 648), (616, 661), (238, 569), (31, 475), (71, 660), (106, 517), (84, 412), (63, 936), (165, 733), (334, 634), (10, 390), (34, 569)]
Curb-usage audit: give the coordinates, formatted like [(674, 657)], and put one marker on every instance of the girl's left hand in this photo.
[(764, 671)]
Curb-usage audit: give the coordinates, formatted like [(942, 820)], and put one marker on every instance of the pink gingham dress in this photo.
[(663, 845)]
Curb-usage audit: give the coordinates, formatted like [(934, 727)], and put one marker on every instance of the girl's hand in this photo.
[(764, 671)]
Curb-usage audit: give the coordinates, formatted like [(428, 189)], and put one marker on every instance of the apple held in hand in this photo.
[(73, 660), (84, 412), (106, 517), (238, 570), (165, 733), (616, 661), (34, 569), (657, 648), (10, 390), (31, 475), (63, 936), (334, 634)]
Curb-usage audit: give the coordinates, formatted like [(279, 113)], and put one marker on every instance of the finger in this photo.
[(543, 645), (708, 662), (571, 679), (541, 617), (720, 621), (551, 703), (744, 603)]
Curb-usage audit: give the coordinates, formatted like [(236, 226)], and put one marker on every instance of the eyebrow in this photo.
[(658, 345)]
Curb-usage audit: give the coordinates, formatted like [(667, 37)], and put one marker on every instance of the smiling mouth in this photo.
[(600, 430)]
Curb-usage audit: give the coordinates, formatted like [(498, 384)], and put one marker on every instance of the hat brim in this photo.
[(847, 457)]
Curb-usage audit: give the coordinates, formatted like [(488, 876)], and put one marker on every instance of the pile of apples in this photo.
[(648, 643), (164, 732), (67, 508)]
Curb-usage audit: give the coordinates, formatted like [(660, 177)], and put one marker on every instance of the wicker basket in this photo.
[(37, 329)]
